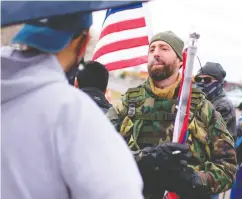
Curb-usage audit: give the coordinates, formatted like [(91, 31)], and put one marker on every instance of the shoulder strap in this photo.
[(133, 98), (136, 95)]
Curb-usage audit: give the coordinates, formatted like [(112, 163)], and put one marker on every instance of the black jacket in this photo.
[(99, 97), (225, 107)]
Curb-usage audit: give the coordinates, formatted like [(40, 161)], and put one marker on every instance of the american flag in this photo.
[(124, 38)]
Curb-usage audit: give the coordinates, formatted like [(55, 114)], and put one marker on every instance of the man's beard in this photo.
[(161, 73)]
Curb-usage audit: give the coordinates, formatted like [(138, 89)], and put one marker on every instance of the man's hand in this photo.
[(152, 160), (166, 155), (185, 182)]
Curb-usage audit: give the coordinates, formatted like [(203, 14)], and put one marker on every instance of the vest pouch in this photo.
[(200, 133), (134, 96), (126, 126)]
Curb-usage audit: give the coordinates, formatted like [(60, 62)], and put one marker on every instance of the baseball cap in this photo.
[(53, 34)]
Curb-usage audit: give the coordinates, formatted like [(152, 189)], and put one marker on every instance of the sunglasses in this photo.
[(206, 80)]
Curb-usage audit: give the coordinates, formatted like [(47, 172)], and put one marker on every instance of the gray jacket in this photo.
[(225, 107), (56, 143)]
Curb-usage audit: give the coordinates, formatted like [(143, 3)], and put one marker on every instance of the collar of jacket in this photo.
[(147, 87), (98, 96)]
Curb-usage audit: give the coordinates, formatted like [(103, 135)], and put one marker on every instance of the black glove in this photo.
[(147, 168), (71, 74), (152, 159), (185, 182), (167, 155)]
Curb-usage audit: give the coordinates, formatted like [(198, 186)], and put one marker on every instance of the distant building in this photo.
[(228, 86)]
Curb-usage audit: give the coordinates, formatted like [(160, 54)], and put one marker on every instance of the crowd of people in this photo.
[(57, 143)]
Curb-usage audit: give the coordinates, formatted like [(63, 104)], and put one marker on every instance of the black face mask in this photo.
[(211, 90), (72, 73)]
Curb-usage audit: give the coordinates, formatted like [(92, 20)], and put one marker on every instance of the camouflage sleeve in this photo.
[(218, 174), (113, 116)]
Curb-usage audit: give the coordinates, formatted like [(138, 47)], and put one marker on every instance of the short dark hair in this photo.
[(94, 74)]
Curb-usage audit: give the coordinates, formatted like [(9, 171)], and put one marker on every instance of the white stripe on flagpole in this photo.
[(122, 35), (123, 54), (123, 16)]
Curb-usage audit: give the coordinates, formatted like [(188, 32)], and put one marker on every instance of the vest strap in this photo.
[(159, 116), (148, 128)]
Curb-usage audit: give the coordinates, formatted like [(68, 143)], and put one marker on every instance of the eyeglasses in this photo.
[(206, 80)]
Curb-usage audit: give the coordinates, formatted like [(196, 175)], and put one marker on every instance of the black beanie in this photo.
[(213, 69)]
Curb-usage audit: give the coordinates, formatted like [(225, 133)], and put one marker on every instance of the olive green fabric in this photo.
[(173, 40)]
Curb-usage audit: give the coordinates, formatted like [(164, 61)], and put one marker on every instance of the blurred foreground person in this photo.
[(196, 170), (52, 148), (210, 79), (93, 80)]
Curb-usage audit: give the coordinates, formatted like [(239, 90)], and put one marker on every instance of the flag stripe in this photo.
[(120, 45), (126, 63), (123, 16), (119, 36), (123, 25), (124, 40), (123, 54), (120, 9)]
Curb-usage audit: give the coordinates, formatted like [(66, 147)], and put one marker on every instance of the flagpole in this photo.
[(191, 53), (184, 97)]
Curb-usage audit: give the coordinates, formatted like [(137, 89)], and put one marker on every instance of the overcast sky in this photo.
[(219, 23)]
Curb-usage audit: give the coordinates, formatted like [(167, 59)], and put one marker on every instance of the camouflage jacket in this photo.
[(144, 119)]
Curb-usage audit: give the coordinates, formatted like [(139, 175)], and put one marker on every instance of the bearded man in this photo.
[(206, 165)]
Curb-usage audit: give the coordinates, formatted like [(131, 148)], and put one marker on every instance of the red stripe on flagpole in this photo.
[(127, 63), (121, 45), (186, 119), (123, 25), (184, 57)]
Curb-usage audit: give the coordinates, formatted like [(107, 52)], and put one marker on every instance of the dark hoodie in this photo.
[(99, 97), (217, 96)]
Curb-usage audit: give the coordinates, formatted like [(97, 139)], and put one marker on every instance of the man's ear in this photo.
[(85, 41), (180, 63), (81, 42), (75, 42)]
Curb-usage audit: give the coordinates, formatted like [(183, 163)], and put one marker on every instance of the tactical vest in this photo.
[(152, 119)]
